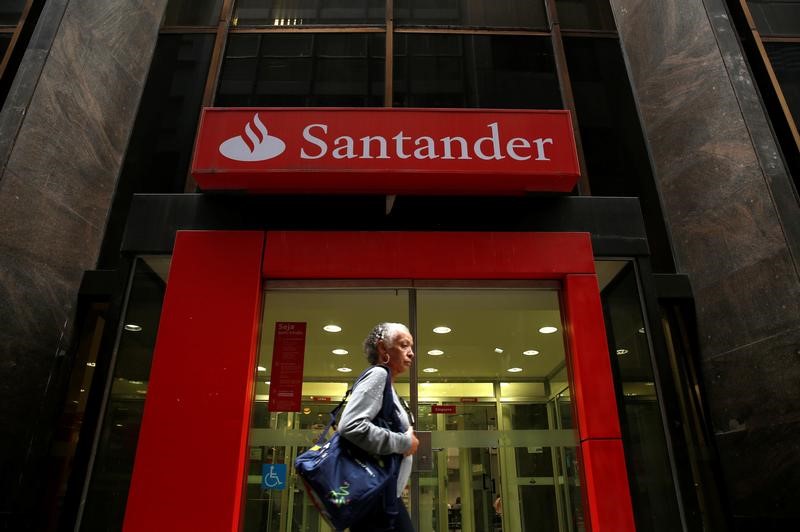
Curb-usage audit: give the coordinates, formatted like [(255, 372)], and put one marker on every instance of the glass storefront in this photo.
[(492, 392)]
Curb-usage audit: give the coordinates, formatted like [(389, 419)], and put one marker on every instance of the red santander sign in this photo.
[(385, 151)]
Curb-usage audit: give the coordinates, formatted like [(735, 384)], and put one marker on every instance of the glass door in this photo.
[(489, 383)]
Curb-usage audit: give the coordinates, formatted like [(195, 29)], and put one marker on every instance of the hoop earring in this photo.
[(388, 358)]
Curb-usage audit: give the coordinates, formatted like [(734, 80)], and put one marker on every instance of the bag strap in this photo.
[(386, 407)]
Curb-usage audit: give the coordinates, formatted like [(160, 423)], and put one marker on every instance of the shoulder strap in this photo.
[(386, 408)]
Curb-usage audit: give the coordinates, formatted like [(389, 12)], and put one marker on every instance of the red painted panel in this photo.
[(385, 151), (425, 255), (192, 451), (607, 503), (589, 364)]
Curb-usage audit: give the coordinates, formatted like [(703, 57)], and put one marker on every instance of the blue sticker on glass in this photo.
[(273, 476)]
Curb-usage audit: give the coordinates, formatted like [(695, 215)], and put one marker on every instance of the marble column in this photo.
[(734, 224), (63, 136)]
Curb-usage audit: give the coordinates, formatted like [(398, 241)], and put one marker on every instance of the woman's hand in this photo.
[(414, 442)]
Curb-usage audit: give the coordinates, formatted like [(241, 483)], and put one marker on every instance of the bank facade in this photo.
[(584, 210)]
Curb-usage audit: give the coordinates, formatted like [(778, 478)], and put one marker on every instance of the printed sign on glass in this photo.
[(286, 379)]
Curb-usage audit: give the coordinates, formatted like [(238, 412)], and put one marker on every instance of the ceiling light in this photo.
[(435, 352), (442, 329), (641, 330), (622, 351), (430, 370), (339, 351), (548, 330), (91, 364), (344, 370), (266, 382), (306, 410), (649, 384), (530, 353), (332, 328), (514, 370), (119, 424), (262, 368), (498, 350), (132, 327)]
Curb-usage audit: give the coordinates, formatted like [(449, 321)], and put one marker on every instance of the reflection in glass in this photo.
[(11, 11), (613, 143), (308, 12), (303, 69), (160, 148), (192, 13), (652, 487), (776, 17), (5, 40), (113, 465), (785, 60), (585, 15), (489, 71), (529, 14)]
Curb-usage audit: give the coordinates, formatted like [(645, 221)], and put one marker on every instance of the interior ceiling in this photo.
[(481, 320)]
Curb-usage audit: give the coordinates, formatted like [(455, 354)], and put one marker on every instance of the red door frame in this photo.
[(191, 458)]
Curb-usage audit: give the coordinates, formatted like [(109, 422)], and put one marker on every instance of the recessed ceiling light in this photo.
[(91, 364), (430, 370), (332, 328), (344, 370), (442, 329), (435, 352), (339, 351), (514, 370), (641, 330), (622, 351), (498, 350), (548, 330), (132, 327), (266, 382), (119, 424), (262, 368), (530, 353)]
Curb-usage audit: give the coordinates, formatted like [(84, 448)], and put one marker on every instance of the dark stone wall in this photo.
[(734, 221), (63, 135)]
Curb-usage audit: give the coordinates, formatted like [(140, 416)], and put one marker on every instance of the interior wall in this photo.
[(734, 225)]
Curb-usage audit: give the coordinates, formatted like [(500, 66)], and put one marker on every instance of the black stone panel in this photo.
[(71, 112), (772, 363), (760, 467), (734, 223)]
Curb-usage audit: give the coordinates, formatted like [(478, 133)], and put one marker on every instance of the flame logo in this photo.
[(255, 147)]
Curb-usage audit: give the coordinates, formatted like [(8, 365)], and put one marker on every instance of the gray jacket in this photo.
[(356, 423)]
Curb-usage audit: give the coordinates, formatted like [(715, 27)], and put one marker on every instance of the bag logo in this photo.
[(256, 147), (364, 466), (339, 496)]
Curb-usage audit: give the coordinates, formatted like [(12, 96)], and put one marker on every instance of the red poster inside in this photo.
[(286, 379), (443, 409)]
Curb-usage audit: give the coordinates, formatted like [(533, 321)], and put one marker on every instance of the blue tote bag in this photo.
[(344, 481)]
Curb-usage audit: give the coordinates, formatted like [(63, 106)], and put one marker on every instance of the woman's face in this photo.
[(401, 353)]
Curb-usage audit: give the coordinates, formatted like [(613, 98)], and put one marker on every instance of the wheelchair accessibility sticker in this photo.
[(273, 476)]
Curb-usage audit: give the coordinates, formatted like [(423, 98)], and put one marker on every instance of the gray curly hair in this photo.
[(387, 333)]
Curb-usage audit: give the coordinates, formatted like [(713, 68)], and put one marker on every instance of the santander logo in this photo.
[(259, 146)]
